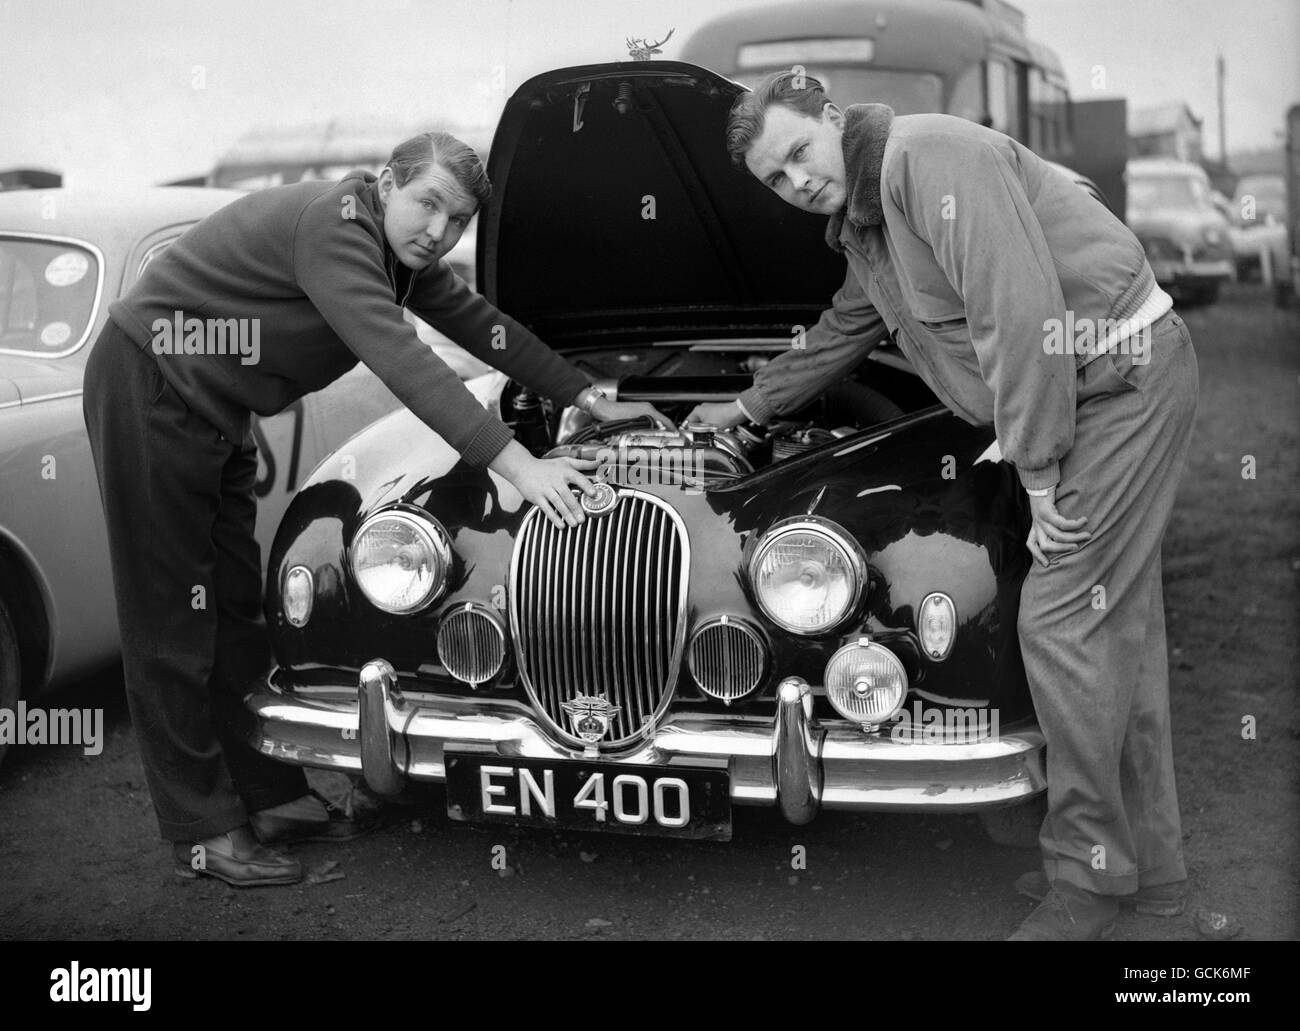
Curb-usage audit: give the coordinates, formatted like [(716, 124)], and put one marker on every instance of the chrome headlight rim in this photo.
[(746, 627), (435, 535), (864, 642), (495, 619), (289, 572), (853, 553)]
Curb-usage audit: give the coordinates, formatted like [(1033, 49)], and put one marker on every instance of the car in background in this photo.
[(1258, 222), (1185, 236), (65, 255), (817, 614)]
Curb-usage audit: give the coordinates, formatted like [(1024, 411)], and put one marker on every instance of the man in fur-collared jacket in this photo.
[(984, 262)]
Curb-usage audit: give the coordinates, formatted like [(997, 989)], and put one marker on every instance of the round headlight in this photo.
[(808, 575), (865, 682), (401, 560), (297, 595)]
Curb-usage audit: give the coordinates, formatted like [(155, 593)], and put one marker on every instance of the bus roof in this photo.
[(967, 30)]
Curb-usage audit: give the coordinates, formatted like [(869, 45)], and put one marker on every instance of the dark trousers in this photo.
[(187, 575)]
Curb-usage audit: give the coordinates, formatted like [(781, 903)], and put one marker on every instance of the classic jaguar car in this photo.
[(819, 614)]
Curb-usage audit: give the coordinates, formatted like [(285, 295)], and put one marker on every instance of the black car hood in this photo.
[(581, 160)]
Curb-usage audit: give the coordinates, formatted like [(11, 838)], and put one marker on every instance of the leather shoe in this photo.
[(313, 817), (1069, 913), (235, 857), (1154, 900)]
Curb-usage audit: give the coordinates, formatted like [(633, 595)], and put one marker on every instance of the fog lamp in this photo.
[(865, 682)]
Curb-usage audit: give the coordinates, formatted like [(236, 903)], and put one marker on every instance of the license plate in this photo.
[(592, 796)]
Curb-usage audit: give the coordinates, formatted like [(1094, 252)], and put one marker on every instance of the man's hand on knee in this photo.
[(1052, 534)]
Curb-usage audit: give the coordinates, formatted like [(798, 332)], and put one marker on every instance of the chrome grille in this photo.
[(471, 644), (600, 609), (727, 659)]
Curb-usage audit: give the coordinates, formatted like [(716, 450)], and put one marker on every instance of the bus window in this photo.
[(1047, 115), (972, 60), (908, 93)]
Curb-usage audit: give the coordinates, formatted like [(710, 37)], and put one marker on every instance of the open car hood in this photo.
[(616, 214)]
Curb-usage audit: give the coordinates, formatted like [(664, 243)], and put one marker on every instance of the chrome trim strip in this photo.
[(860, 444), (39, 397), (94, 304)]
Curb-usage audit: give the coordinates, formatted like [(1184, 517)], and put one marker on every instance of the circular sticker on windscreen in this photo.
[(68, 268), (56, 334)]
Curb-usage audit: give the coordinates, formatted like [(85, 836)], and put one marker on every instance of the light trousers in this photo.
[(1092, 626)]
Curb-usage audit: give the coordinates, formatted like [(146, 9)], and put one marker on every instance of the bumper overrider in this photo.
[(390, 736)]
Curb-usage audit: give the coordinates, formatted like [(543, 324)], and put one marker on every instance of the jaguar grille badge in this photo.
[(603, 501), (591, 716)]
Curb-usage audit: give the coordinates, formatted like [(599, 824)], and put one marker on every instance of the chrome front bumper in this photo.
[(390, 736)]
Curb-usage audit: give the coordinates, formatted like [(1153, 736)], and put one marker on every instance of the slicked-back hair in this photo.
[(412, 158), (795, 89)]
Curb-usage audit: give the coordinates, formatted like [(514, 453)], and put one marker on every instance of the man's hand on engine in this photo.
[(605, 410), (722, 415)]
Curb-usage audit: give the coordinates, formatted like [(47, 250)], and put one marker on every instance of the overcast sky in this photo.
[(149, 90)]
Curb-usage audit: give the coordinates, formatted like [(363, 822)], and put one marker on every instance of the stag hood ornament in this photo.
[(643, 51)]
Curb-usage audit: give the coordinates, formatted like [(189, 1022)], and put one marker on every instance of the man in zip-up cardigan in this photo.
[(325, 268), (978, 258)]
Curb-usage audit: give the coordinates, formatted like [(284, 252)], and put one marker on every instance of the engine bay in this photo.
[(675, 380)]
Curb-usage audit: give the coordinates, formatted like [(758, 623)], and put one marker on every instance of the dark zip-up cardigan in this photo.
[(310, 261)]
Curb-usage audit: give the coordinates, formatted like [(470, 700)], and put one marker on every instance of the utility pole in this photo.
[(1223, 125)]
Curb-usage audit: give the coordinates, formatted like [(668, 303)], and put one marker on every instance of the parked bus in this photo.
[(273, 156), (969, 58)]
